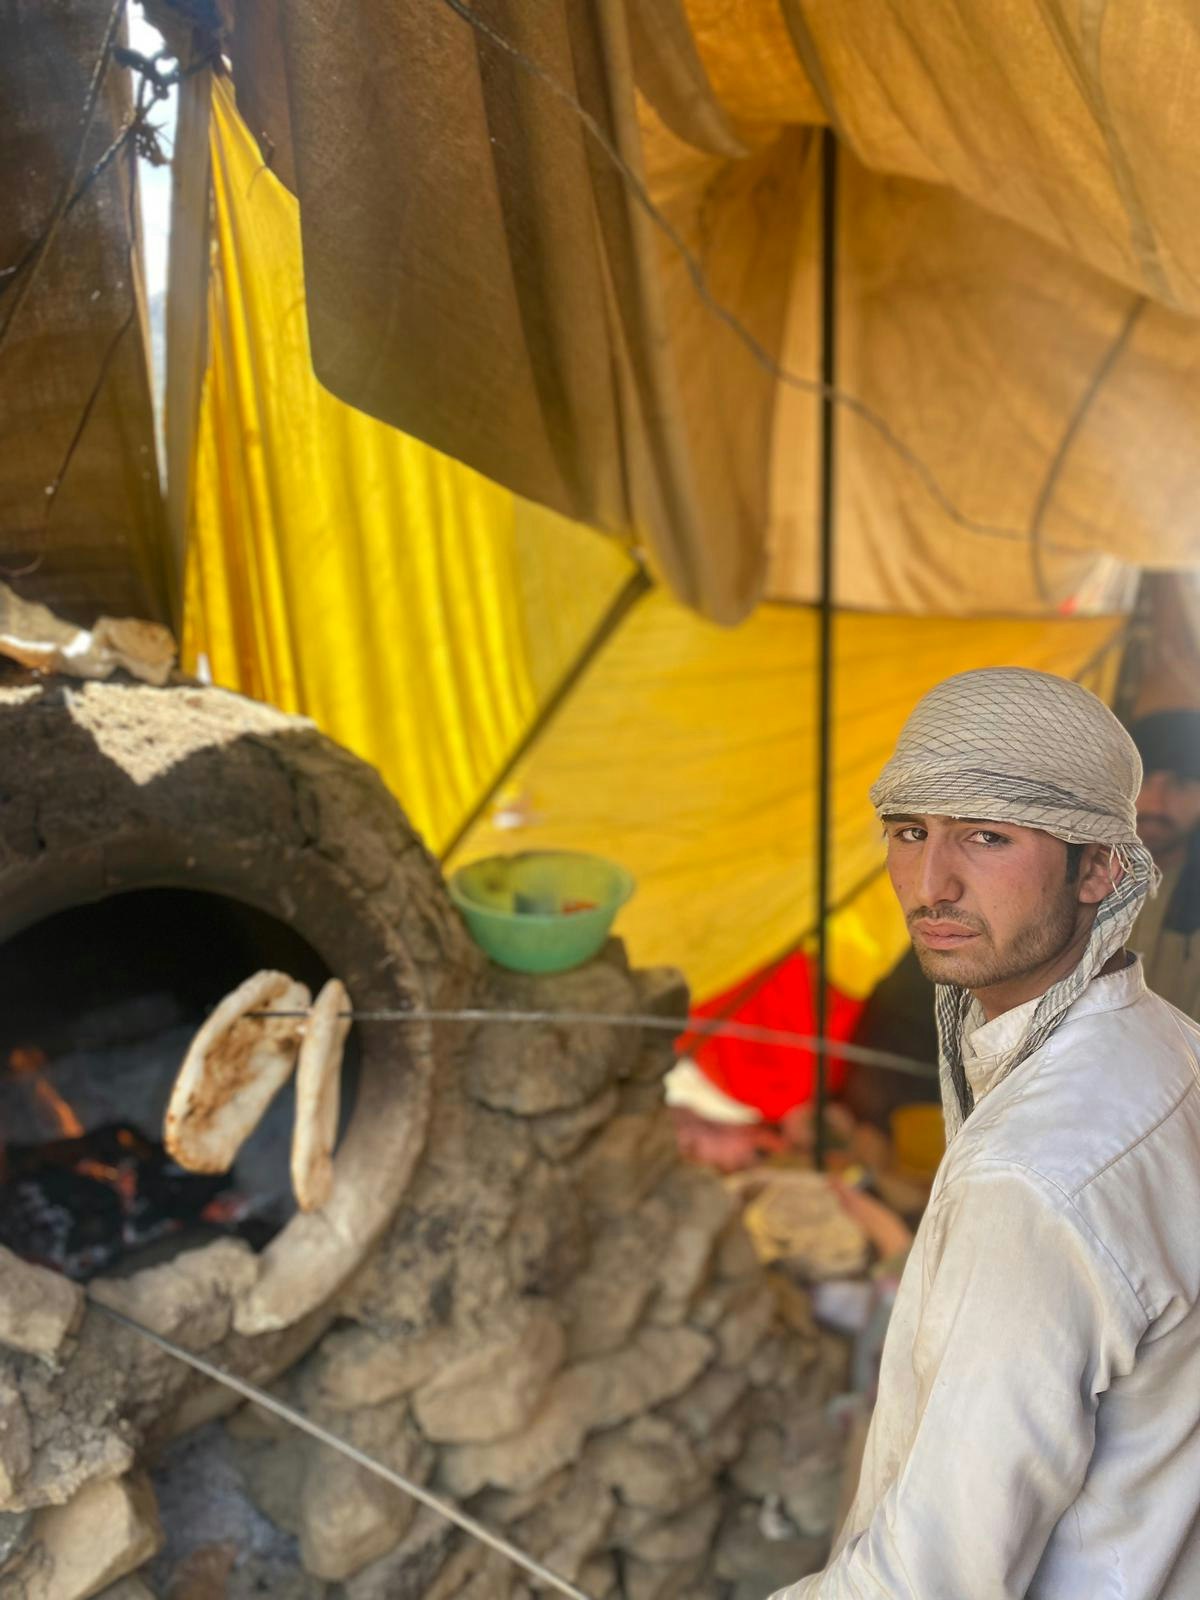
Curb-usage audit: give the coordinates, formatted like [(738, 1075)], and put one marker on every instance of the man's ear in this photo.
[(1099, 873)]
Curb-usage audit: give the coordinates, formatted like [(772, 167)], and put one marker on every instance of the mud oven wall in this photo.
[(516, 1294)]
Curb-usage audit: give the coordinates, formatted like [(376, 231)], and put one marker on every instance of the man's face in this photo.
[(989, 904), (1168, 809)]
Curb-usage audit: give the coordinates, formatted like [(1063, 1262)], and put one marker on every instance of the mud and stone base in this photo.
[(569, 1337), (527, 1301)]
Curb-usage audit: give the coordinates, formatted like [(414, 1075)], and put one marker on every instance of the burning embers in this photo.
[(80, 1205), (82, 1199), (89, 1180)]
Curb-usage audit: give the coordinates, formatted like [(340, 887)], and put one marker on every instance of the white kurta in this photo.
[(1037, 1435)]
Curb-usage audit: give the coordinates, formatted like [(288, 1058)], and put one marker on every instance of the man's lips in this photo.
[(942, 935)]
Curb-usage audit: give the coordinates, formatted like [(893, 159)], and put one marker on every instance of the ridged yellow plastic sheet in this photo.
[(688, 753), (417, 612), (425, 618)]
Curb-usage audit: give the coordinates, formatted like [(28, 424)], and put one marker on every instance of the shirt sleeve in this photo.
[(1014, 1344)]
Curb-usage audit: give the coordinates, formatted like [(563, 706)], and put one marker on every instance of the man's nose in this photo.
[(938, 880)]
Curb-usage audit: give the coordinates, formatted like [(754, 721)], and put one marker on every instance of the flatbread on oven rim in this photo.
[(318, 1096), (234, 1068)]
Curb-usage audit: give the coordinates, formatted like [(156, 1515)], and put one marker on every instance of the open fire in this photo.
[(86, 1185), (83, 1199)]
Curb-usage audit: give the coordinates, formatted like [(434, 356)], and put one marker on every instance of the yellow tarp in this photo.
[(424, 617), (417, 612), (688, 754)]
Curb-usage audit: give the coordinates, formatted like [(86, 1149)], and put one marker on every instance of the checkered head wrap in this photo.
[(1012, 745)]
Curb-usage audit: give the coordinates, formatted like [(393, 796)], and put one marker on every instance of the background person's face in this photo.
[(987, 903), (1168, 809)]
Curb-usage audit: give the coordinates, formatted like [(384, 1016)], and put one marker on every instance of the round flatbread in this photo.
[(234, 1068), (798, 1218), (318, 1096)]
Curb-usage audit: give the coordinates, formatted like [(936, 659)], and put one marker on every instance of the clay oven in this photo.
[(514, 1293)]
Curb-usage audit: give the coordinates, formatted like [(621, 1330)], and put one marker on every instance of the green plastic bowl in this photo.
[(542, 910)]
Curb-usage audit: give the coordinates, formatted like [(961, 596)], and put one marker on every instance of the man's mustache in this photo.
[(959, 919)]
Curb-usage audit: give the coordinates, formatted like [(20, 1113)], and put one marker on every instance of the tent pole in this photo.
[(825, 620)]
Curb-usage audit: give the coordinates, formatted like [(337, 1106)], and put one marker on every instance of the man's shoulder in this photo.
[(1103, 1123), (1105, 1085)]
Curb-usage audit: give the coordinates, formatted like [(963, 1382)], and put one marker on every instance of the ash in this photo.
[(210, 1522)]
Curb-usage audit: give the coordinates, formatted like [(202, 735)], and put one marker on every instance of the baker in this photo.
[(1037, 1433)]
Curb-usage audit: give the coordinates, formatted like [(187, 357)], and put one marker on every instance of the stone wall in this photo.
[(566, 1331)]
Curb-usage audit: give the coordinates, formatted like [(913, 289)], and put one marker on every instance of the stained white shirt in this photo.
[(1037, 1434)]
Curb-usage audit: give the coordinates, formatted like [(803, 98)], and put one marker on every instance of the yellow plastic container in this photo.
[(918, 1138)]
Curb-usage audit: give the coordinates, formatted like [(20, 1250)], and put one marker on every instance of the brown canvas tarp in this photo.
[(479, 274), (1019, 273), (80, 331)]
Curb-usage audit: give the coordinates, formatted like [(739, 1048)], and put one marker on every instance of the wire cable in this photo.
[(279, 1408), (698, 1028)]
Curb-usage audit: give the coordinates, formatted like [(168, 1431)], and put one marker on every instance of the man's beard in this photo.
[(981, 965)]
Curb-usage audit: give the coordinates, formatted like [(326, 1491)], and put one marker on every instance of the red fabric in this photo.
[(774, 1078)]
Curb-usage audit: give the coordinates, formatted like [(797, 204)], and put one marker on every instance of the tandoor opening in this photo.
[(97, 1007)]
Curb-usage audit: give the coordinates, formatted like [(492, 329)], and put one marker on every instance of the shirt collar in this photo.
[(987, 1045)]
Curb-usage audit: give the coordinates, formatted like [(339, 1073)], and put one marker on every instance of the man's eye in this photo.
[(909, 835), (987, 837)]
